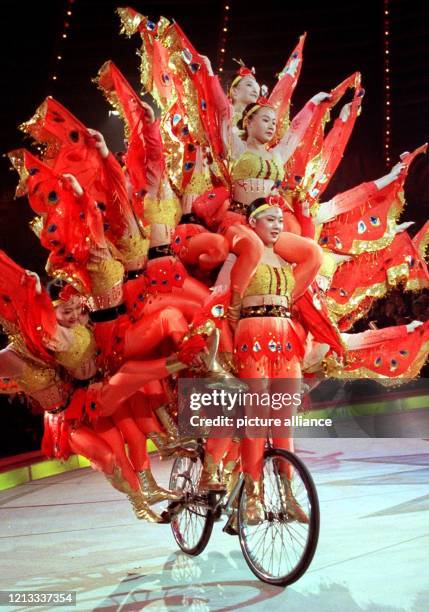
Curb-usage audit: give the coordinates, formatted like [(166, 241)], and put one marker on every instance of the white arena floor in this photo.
[(74, 532)]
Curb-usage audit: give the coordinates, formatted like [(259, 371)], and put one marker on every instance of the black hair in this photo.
[(240, 121), (54, 288), (254, 205)]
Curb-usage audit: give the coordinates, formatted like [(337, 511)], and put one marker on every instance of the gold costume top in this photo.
[(271, 280), (251, 165), (106, 283), (164, 208), (133, 250), (37, 380), (81, 350)]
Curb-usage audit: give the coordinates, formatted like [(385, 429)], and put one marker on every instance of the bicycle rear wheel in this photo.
[(280, 549), (191, 523)]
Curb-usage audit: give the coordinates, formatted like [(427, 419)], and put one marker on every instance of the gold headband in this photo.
[(235, 81), (248, 114), (56, 303), (260, 209)]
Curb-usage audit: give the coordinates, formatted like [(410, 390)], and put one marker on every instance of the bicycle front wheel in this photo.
[(279, 549)]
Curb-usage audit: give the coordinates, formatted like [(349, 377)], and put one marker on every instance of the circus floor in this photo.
[(73, 532)]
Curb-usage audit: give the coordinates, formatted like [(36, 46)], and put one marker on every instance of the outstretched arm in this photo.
[(299, 125)]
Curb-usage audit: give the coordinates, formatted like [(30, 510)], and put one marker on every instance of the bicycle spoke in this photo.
[(279, 547)]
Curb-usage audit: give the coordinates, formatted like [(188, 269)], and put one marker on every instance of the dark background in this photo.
[(342, 37)]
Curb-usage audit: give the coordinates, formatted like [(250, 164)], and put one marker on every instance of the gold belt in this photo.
[(265, 311)]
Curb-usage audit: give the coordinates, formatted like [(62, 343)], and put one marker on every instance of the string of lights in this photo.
[(223, 36), (387, 85), (60, 46)]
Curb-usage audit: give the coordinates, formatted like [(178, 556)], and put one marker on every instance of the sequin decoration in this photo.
[(378, 361), (256, 347), (176, 119), (187, 56), (393, 365), (316, 302), (403, 353), (375, 221), (272, 346), (361, 227), (218, 310)]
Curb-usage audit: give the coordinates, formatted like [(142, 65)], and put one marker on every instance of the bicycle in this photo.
[(279, 549)]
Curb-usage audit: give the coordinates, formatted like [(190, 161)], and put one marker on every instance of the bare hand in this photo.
[(198, 362), (413, 325), (292, 67), (75, 185), (322, 96), (37, 279), (100, 143), (396, 170), (207, 64), (403, 226), (149, 112), (345, 112)]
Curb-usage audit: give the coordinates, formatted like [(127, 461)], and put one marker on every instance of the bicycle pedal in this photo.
[(230, 530)]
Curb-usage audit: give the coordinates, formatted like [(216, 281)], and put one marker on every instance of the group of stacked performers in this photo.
[(210, 182)]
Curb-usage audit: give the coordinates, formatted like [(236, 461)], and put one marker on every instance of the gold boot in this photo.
[(231, 525), (175, 443), (216, 372), (167, 422), (166, 448), (229, 476), (209, 479), (293, 509), (255, 511), (153, 492), (138, 501), (161, 441)]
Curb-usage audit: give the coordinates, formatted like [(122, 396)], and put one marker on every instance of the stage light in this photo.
[(387, 116), (222, 39)]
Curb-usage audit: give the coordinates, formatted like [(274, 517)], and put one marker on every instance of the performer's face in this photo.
[(69, 313), (262, 125), (268, 225), (246, 91)]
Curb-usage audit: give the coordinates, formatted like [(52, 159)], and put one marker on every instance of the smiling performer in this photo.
[(269, 343)]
